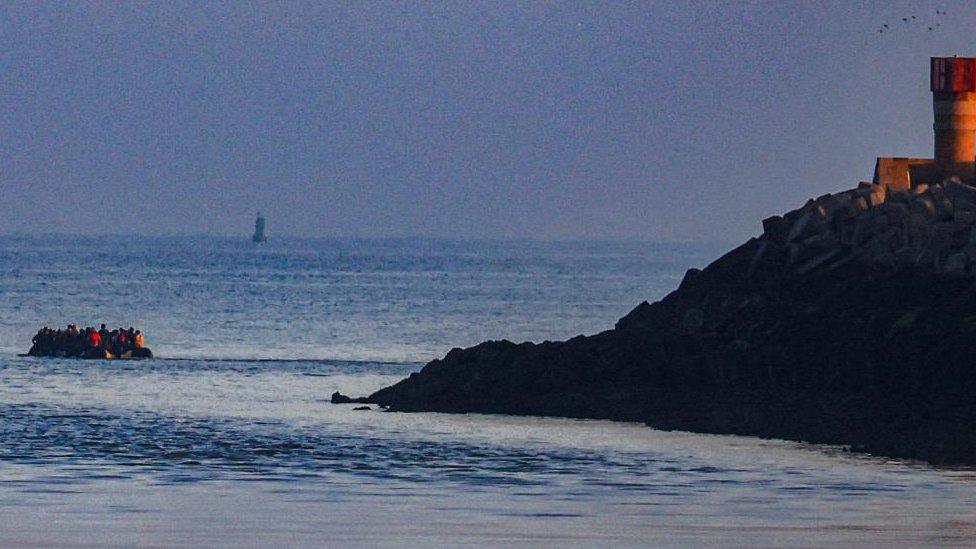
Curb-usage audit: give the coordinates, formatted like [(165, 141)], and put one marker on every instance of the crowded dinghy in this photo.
[(89, 343)]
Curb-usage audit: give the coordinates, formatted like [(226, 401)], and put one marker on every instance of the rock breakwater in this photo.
[(851, 320), (928, 227)]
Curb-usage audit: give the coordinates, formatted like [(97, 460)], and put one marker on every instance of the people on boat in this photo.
[(119, 340), (88, 342)]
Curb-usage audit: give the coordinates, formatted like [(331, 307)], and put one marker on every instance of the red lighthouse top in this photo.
[(953, 74)]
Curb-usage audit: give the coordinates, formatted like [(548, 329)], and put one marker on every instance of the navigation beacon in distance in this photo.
[(259, 235)]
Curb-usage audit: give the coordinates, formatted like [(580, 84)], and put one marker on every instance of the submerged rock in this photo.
[(339, 398), (849, 321)]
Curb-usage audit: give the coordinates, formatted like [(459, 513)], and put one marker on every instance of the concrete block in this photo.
[(861, 234), (902, 197), (797, 229), (925, 206), (956, 263), (793, 252), (904, 254), (926, 257), (897, 210), (964, 217), (839, 262), (945, 209), (917, 222), (817, 261), (815, 240), (754, 264), (960, 194), (874, 194), (878, 195), (819, 215), (970, 252), (775, 227)]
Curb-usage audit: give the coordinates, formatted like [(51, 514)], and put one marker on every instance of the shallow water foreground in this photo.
[(250, 453)]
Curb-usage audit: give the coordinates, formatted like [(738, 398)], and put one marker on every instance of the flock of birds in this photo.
[(911, 19)]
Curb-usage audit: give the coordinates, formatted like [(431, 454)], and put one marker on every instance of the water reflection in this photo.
[(104, 443)]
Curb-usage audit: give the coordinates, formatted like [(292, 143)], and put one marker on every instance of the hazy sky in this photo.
[(659, 120)]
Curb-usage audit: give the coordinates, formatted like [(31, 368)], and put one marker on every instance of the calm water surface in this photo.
[(229, 439)]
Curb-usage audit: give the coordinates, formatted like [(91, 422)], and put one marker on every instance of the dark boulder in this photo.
[(339, 398)]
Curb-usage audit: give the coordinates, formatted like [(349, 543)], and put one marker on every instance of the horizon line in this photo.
[(568, 239)]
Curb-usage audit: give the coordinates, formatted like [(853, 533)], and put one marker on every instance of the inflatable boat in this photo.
[(93, 353)]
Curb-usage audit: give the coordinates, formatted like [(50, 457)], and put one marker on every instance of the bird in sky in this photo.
[(931, 26)]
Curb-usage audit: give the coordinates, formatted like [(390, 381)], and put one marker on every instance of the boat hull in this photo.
[(94, 354)]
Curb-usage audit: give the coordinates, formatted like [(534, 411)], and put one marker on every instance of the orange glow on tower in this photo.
[(953, 84)]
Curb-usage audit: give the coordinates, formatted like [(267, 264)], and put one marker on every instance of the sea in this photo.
[(228, 438)]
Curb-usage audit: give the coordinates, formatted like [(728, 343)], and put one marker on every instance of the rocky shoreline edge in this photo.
[(849, 321)]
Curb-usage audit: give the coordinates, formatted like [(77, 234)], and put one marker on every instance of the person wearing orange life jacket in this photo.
[(94, 339), (138, 341)]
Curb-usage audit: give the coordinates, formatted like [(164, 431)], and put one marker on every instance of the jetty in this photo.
[(850, 320)]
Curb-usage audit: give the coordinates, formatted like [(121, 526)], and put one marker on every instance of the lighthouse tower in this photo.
[(953, 84)]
